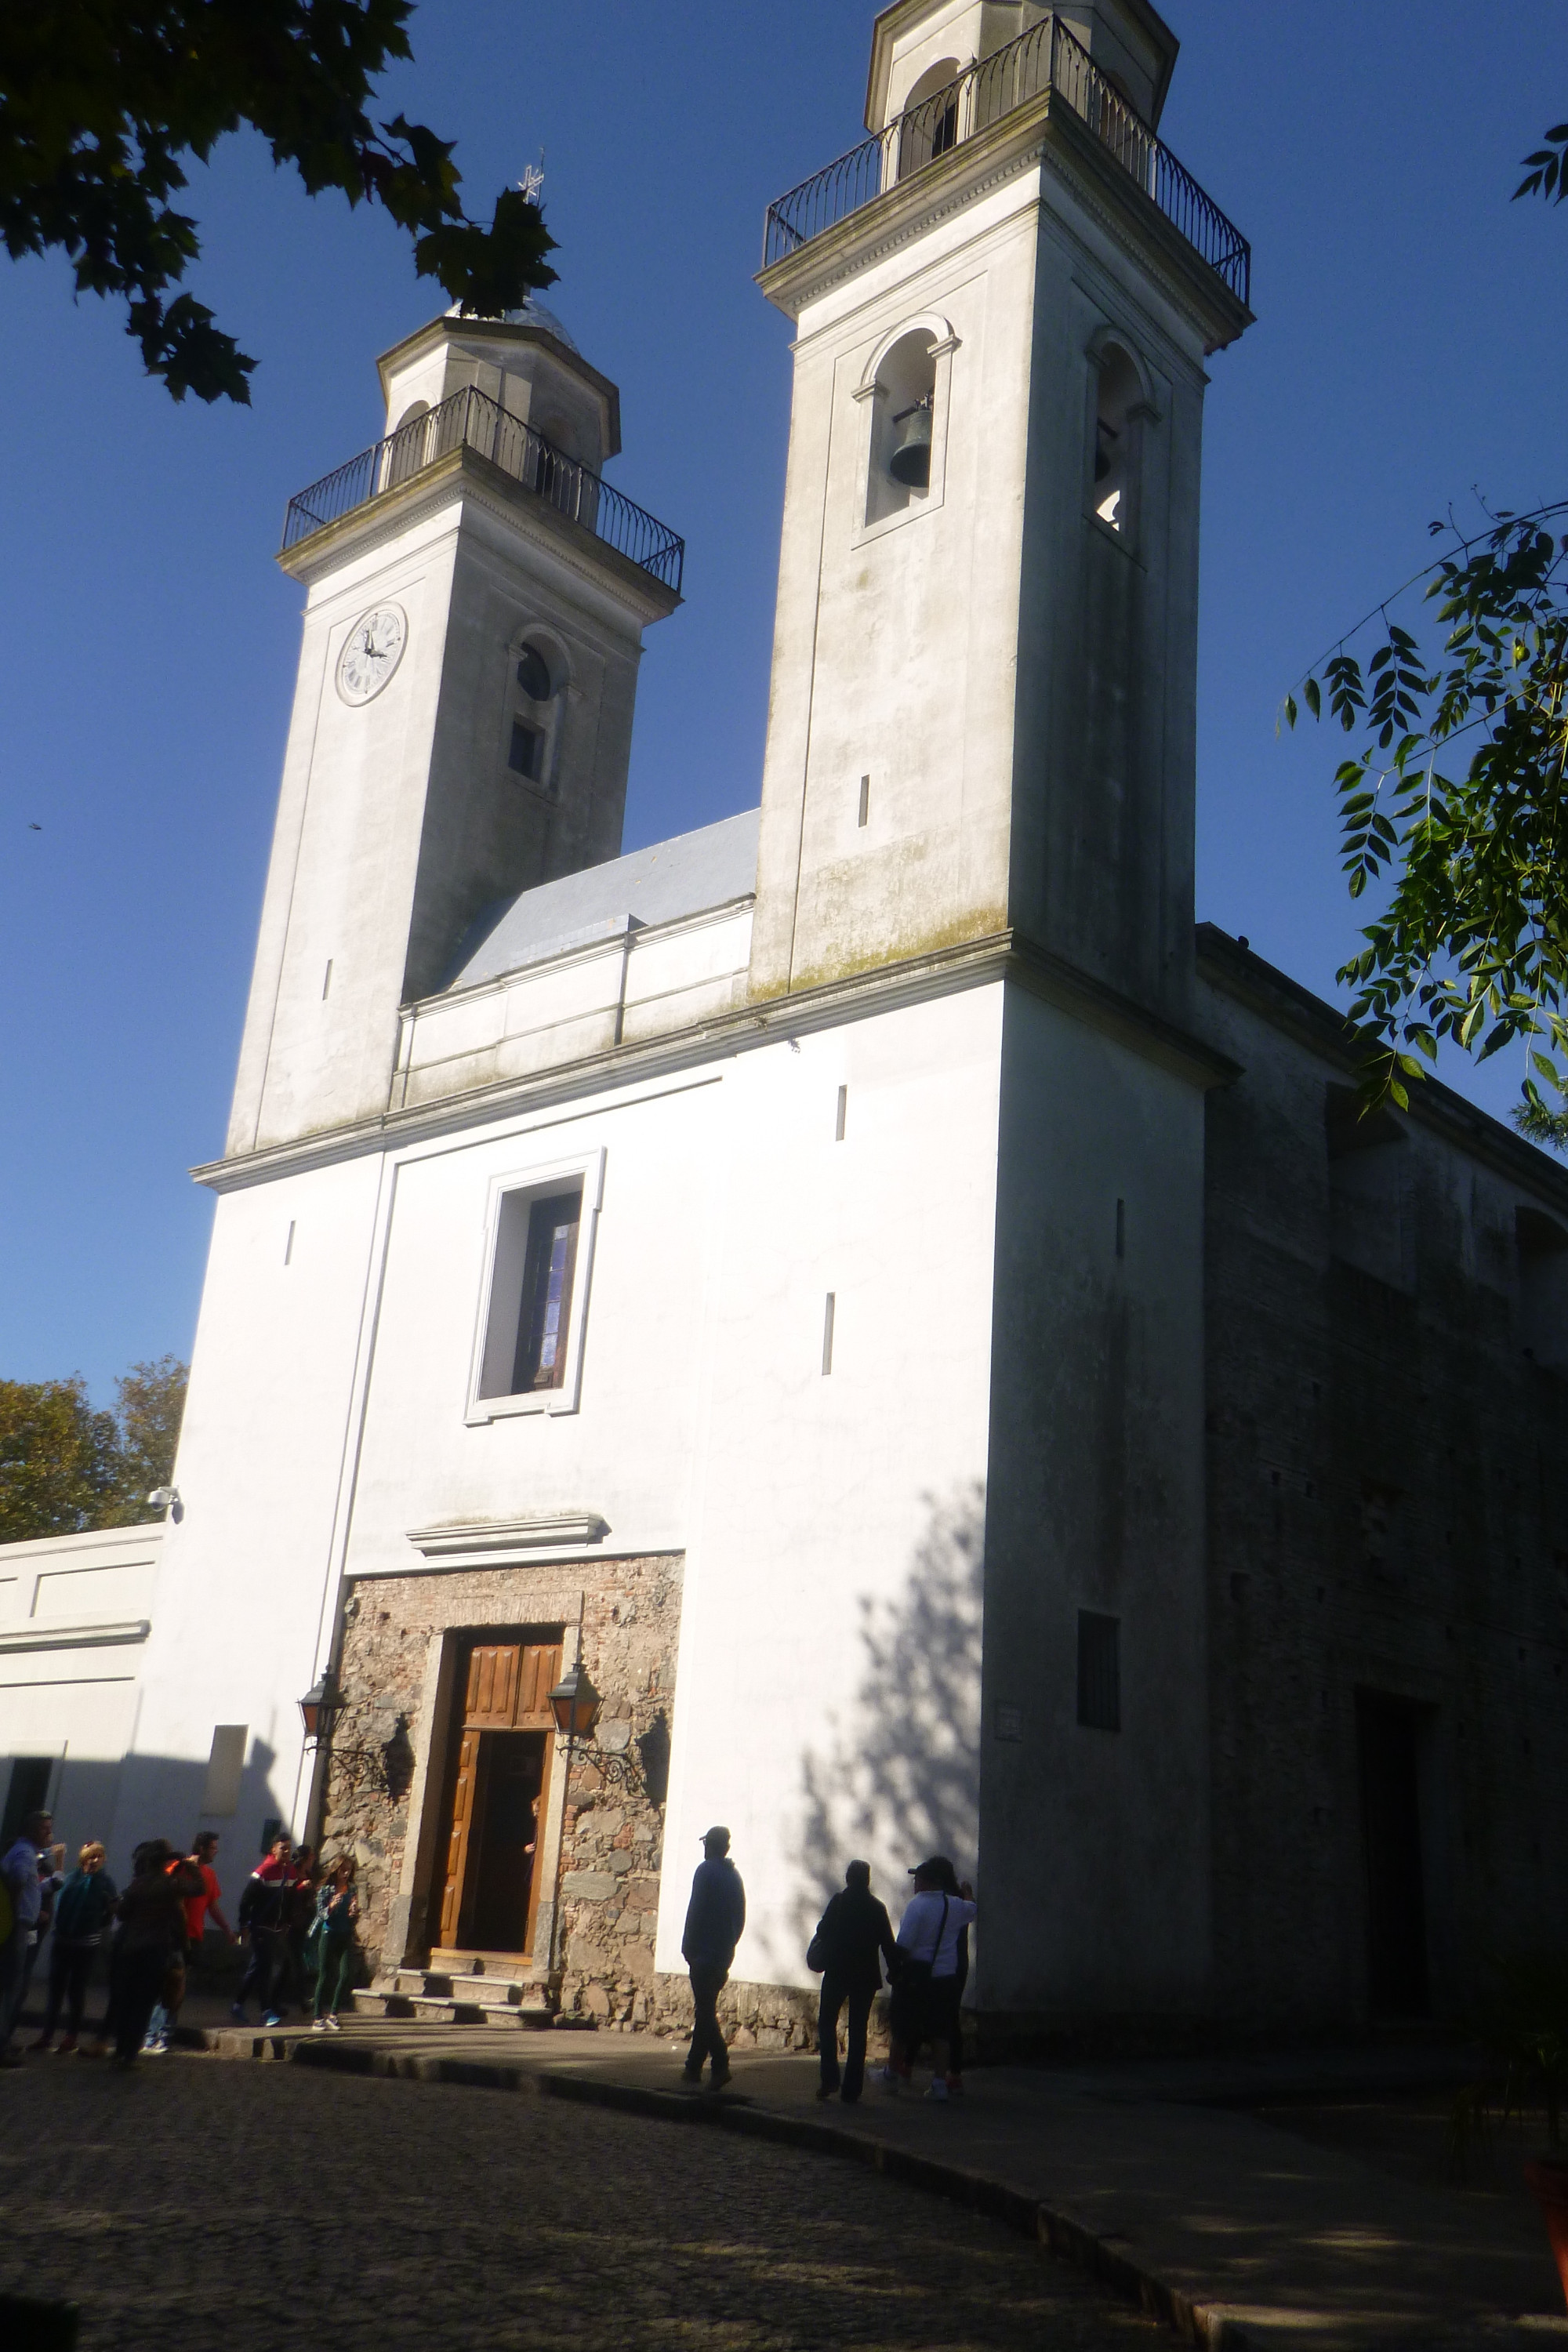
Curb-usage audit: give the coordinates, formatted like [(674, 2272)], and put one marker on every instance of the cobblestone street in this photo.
[(205, 2203)]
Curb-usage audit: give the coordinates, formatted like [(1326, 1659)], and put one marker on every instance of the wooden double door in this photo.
[(498, 1792)]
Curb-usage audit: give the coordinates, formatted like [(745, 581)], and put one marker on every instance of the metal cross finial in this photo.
[(532, 181)]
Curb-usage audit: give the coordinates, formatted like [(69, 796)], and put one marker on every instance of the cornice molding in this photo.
[(1046, 132), (1000, 955), (1323, 1030), (455, 1538), (33, 1636), (462, 474)]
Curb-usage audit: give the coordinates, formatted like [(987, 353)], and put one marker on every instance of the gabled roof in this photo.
[(695, 871)]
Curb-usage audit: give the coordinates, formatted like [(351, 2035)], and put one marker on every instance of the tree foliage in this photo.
[(65, 1467), (104, 102), (1455, 798)]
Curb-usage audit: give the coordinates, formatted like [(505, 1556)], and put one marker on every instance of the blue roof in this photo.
[(659, 885)]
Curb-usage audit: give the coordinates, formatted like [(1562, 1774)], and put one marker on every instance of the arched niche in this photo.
[(904, 389), (1121, 409)]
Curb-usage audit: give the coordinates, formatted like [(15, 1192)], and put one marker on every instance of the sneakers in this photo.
[(155, 2046), (67, 2047), (889, 2079), (335, 2023), (938, 2090), (319, 2025), (273, 2017)]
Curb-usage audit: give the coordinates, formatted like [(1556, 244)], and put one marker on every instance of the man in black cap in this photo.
[(715, 1918), (852, 1937)]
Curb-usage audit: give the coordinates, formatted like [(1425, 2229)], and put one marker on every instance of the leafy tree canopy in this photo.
[(103, 102), (1456, 798), (64, 1467)]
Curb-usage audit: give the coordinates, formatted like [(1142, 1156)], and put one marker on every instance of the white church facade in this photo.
[(913, 1317)]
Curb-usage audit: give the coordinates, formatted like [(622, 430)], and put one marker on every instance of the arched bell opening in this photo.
[(931, 117), (1119, 397), (903, 426)]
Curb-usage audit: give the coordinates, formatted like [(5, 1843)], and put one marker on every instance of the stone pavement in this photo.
[(1182, 2184), (260, 2208)]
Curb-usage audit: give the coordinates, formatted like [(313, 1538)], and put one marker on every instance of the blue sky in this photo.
[(1409, 349)]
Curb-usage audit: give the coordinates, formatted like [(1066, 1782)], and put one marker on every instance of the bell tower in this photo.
[(476, 598), (981, 715)]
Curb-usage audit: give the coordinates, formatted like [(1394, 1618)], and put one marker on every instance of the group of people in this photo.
[(299, 1922), (927, 1963)]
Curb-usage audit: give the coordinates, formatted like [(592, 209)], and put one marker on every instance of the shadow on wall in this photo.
[(157, 1796), (902, 1777)]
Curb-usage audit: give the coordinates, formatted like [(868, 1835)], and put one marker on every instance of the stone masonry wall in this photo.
[(612, 1837)]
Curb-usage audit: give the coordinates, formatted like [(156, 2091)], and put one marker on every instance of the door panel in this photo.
[(492, 1685), (464, 1782), (540, 1671)]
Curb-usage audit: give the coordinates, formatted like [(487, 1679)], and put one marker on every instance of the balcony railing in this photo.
[(1049, 57), (471, 420)]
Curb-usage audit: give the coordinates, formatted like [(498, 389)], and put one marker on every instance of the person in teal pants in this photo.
[(332, 1933)]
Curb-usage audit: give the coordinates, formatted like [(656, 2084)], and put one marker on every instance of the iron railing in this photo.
[(471, 420), (1048, 57)]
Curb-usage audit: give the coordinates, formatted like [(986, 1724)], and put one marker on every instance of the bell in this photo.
[(909, 461)]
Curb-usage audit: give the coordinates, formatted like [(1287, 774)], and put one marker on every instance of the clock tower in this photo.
[(476, 595)]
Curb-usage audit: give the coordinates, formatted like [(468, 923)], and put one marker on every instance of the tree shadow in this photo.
[(900, 1776)]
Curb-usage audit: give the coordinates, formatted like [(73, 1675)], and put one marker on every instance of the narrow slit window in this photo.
[(546, 1307), (843, 1113), (1121, 1229), (1118, 395), (526, 757), (289, 1245), (827, 1334), (864, 801), (1099, 1670), (327, 981)]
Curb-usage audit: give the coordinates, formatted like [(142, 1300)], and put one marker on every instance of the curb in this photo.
[(1070, 2240)]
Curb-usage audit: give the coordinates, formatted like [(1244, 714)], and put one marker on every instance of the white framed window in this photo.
[(905, 396), (540, 1225)]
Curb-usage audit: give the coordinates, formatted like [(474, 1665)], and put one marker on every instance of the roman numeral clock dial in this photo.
[(374, 650)]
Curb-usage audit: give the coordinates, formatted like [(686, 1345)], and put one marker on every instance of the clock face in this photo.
[(372, 653)]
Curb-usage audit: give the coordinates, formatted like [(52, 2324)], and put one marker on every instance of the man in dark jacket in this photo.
[(715, 1918), (264, 1918), (852, 1937)]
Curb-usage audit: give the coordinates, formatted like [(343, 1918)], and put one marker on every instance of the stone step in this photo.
[(436, 1984), (382, 2004), (534, 2019)]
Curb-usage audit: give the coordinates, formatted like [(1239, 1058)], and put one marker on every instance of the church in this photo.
[(863, 1322)]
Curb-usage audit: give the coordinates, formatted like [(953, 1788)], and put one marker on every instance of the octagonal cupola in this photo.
[(920, 47), (526, 363)]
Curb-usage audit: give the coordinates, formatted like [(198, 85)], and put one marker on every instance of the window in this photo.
[(1118, 398), (551, 1262), (535, 717), (1099, 1670), (903, 424), (530, 1348), (527, 754)]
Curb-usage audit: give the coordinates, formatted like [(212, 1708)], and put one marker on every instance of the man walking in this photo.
[(715, 1918), (264, 1917), (852, 1937), (20, 1876)]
